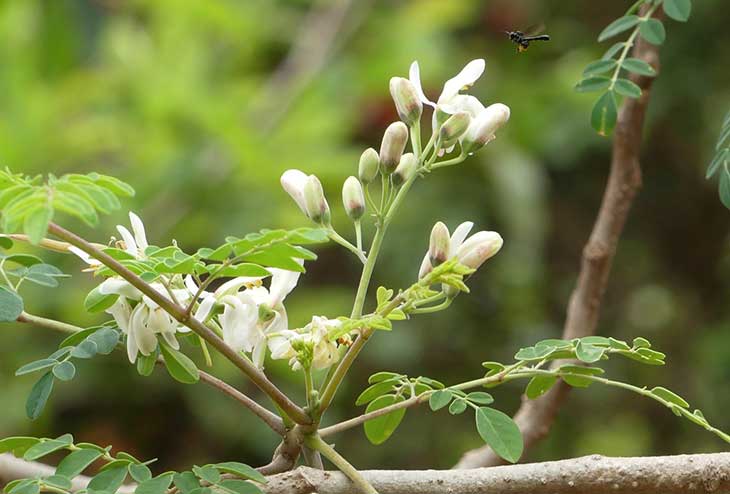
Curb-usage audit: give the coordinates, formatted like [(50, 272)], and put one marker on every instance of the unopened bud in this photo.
[(405, 169), (406, 99), (425, 267), (368, 168), (391, 149), (439, 245), (317, 208), (482, 128), (353, 198), (454, 127), (449, 291), (293, 182), (478, 248)]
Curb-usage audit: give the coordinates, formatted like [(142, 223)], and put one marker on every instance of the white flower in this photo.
[(311, 348), (248, 316), (463, 80), (471, 252)]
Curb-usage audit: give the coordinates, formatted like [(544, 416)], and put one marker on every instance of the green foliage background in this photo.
[(169, 96)]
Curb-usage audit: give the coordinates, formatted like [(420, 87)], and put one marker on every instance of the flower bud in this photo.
[(454, 127), (368, 167), (478, 248), (449, 291), (353, 198), (391, 149), (482, 128), (406, 100), (405, 169), (425, 267), (293, 182), (438, 247), (316, 204)]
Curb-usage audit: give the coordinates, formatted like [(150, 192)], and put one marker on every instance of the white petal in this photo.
[(464, 79), (463, 102), (203, 310), (458, 237), (258, 355), (414, 75), (132, 348), (121, 311), (83, 256), (191, 285), (171, 340), (143, 335), (282, 283), (293, 182), (129, 244), (119, 286), (233, 285), (138, 228), (425, 267)]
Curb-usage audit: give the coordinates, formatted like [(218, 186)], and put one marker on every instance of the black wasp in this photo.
[(523, 41)]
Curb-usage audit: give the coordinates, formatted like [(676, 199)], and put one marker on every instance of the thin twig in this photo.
[(535, 417)]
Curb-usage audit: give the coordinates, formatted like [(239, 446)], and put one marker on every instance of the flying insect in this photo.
[(522, 41)]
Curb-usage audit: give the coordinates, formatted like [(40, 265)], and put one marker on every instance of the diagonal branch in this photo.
[(535, 417), (259, 378)]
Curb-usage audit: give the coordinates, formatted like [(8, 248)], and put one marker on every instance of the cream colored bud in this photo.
[(405, 169), (406, 99), (391, 149), (482, 128), (353, 198), (478, 248), (425, 267), (368, 168), (317, 208), (455, 126), (439, 245)]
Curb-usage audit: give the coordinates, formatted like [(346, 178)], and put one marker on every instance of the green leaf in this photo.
[(618, 344), (146, 364), (76, 462), (613, 50), (85, 349), (29, 487), (158, 485), (591, 84), (457, 406), (618, 26), (480, 398), (588, 353), (36, 222), (140, 473), (38, 397), (96, 301), (575, 375), (382, 376), (11, 305), (209, 473), (44, 275), (6, 242), (47, 446), (679, 10), (379, 429), (36, 366), (26, 260), (239, 486), (440, 399), (58, 481), (641, 343), (243, 269), (604, 114), (179, 365), (375, 390), (106, 340), (109, 480), (17, 445), (65, 371), (186, 482), (653, 31), (638, 66), (599, 67), (500, 432), (626, 87), (77, 338), (724, 189), (669, 396), (539, 385), (242, 470)]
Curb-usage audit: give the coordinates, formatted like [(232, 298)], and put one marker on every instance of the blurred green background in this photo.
[(189, 102)]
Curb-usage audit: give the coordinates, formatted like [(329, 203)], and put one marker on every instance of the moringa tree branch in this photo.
[(535, 417), (698, 474)]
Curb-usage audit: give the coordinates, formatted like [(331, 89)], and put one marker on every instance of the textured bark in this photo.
[(595, 474), (535, 417)]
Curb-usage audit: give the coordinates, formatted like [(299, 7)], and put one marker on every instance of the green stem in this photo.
[(434, 308), (317, 444), (48, 323), (179, 313), (450, 162), (416, 138), (628, 45), (337, 238), (358, 235)]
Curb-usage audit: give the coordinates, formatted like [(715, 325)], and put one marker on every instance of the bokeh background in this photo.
[(195, 104)]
